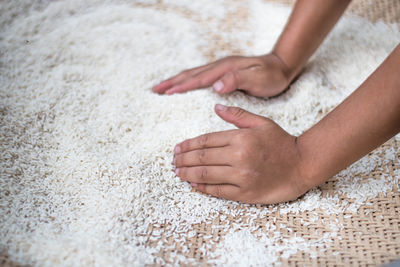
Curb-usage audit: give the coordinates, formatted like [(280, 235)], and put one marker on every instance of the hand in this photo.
[(258, 163), (263, 76)]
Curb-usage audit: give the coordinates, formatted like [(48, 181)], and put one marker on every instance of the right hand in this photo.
[(257, 163), (262, 76)]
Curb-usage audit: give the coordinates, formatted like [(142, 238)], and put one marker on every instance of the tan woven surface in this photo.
[(385, 10), (369, 237), (373, 10)]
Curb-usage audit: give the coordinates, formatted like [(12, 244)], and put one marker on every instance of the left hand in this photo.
[(258, 163), (263, 76)]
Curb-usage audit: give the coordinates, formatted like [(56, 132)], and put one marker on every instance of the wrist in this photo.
[(311, 171), (290, 71)]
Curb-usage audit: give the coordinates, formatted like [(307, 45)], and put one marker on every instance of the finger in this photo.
[(239, 117), (203, 157), (202, 79), (167, 84), (163, 86), (217, 139), (233, 80), (226, 191), (206, 174)]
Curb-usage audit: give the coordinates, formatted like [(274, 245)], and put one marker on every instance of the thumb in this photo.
[(239, 117), (236, 79)]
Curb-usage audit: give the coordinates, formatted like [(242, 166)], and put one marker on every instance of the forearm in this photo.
[(308, 25), (366, 119)]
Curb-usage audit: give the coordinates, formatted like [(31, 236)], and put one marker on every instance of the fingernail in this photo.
[(218, 85), (177, 171), (193, 184), (177, 149), (220, 107)]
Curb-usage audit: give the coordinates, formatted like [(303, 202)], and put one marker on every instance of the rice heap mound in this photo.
[(86, 147)]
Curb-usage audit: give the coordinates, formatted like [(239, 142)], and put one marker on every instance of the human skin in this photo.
[(260, 162), (270, 74)]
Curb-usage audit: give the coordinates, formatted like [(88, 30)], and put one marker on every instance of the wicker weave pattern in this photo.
[(385, 10), (368, 238)]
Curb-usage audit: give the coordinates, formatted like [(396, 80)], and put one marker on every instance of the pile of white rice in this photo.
[(86, 147)]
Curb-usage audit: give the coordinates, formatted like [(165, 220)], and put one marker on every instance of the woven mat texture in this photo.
[(385, 10), (368, 238), (371, 237)]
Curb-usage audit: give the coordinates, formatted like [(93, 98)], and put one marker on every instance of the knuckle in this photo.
[(241, 155), (202, 188), (231, 62), (201, 155), (185, 145), (183, 173), (218, 191), (258, 70), (243, 173), (239, 137), (203, 174), (203, 140), (203, 82), (238, 112), (200, 80), (178, 160), (257, 62), (249, 175), (194, 82)]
